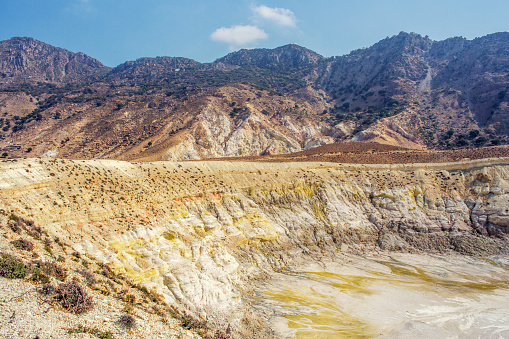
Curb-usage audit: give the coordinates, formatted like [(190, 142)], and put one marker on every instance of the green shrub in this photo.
[(12, 267), (94, 331), (128, 298), (473, 134), (461, 142), (47, 245), (104, 335), (480, 141), (449, 134)]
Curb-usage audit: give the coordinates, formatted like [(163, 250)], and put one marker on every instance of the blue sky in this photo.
[(115, 31)]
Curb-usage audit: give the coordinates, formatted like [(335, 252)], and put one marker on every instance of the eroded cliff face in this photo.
[(216, 135), (202, 233)]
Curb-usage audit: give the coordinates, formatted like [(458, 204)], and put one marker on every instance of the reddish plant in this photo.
[(73, 297)]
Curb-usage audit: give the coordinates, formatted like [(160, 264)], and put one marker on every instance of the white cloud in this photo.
[(280, 16), (239, 35)]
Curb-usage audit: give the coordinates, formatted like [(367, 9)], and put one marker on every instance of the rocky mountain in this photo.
[(436, 87), (406, 90), (288, 56), (26, 60), (150, 69), (478, 70)]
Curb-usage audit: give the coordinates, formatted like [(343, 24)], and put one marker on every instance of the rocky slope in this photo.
[(229, 121), (201, 234), (26, 60), (405, 90), (437, 86)]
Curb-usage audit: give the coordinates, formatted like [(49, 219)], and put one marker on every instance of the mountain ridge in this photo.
[(406, 90), (291, 55), (29, 60)]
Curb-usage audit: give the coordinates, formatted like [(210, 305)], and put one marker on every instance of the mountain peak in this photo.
[(25, 59), (24, 39), (152, 68), (290, 55), (404, 40)]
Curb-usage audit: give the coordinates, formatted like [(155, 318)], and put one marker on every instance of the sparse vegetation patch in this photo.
[(23, 244), (73, 297), (94, 331), (50, 268), (12, 267)]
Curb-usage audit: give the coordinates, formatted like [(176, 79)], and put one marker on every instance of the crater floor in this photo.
[(391, 296)]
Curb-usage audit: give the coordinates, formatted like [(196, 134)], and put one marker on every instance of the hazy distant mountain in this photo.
[(405, 90)]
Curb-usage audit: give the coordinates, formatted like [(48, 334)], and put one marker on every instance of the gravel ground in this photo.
[(24, 313)]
